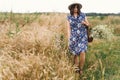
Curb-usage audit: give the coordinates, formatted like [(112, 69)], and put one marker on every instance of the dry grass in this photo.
[(34, 51)]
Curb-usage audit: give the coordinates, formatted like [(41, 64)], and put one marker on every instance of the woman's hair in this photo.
[(72, 9)]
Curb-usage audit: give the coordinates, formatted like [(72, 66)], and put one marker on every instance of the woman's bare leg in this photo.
[(82, 60), (76, 61)]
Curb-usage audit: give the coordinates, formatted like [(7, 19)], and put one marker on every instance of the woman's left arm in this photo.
[(85, 22)]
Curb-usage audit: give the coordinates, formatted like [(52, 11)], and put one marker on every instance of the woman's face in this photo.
[(75, 9)]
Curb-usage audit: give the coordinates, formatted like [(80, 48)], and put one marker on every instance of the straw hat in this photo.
[(70, 6)]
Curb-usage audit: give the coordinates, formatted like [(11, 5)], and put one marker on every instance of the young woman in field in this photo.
[(77, 35)]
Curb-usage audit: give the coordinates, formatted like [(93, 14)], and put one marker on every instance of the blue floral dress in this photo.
[(78, 37)]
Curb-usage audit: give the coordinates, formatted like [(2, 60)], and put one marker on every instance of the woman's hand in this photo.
[(83, 22)]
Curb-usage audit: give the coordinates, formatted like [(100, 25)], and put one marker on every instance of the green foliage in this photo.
[(27, 19), (102, 17), (107, 56)]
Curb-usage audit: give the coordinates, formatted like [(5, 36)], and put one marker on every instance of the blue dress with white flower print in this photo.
[(78, 36)]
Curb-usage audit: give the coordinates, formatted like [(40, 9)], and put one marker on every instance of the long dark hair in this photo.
[(72, 9)]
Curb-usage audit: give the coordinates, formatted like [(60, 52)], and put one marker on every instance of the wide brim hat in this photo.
[(70, 6)]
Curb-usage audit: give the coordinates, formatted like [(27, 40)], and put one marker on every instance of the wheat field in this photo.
[(34, 47)]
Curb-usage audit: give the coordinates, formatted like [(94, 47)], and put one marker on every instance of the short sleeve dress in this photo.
[(78, 37)]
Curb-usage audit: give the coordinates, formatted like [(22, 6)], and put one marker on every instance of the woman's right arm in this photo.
[(68, 30)]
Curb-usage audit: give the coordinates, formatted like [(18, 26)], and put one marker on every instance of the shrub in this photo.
[(102, 32)]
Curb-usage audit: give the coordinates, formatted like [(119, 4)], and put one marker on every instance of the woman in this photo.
[(77, 35)]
